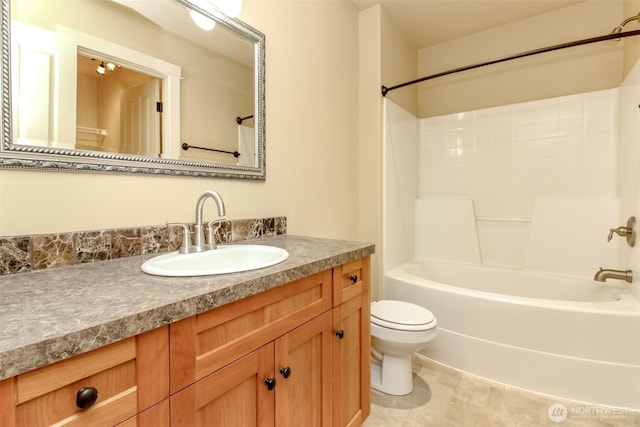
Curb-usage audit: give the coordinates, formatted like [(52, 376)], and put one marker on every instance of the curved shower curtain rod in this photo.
[(611, 36)]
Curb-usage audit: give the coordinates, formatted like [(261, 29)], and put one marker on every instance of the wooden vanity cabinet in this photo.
[(288, 380), (129, 377), (263, 358), (297, 355)]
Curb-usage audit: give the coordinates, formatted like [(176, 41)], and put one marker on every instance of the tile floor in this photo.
[(445, 397)]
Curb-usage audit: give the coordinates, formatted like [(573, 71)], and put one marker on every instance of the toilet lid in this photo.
[(401, 315)]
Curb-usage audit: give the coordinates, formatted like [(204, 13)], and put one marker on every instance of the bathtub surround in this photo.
[(400, 184), (545, 167), (20, 254)]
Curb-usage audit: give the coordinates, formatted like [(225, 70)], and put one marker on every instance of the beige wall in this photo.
[(370, 138), (565, 72), (399, 64), (312, 145)]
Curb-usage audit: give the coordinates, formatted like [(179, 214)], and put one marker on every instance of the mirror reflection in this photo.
[(130, 80), (117, 109)]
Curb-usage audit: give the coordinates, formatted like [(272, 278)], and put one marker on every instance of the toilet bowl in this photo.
[(398, 329)]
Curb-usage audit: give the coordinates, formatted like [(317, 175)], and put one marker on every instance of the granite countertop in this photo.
[(50, 315)]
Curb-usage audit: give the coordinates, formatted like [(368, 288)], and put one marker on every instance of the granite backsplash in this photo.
[(21, 254)]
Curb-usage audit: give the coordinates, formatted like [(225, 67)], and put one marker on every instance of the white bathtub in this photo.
[(564, 336)]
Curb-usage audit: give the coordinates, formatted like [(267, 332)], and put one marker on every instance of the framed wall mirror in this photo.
[(162, 87)]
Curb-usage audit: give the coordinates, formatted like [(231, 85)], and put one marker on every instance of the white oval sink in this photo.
[(224, 259)]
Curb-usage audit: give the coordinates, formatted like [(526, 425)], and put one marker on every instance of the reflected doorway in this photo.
[(118, 109)]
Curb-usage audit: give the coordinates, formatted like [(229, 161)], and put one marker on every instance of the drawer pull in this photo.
[(340, 333), (353, 278), (270, 383), (86, 397), (286, 371)]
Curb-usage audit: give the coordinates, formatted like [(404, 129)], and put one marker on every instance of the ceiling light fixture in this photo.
[(100, 70)]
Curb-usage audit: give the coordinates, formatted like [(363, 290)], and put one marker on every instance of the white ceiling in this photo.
[(429, 22)]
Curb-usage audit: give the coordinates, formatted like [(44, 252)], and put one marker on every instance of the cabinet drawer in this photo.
[(205, 343), (349, 279), (128, 376)]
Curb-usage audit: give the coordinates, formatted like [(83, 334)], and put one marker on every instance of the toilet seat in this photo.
[(402, 316)]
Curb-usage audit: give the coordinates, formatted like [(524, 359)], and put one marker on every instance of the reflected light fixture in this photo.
[(203, 22), (230, 8), (101, 69)]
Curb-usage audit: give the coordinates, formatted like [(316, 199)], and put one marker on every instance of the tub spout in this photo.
[(604, 274)]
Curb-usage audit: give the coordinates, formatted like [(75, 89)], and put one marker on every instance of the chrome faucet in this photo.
[(604, 274), (199, 244)]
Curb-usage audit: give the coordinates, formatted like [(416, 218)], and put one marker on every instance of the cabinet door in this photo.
[(235, 395), (351, 355), (128, 376), (304, 375)]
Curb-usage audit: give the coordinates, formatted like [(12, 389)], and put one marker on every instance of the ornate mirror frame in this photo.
[(14, 156)]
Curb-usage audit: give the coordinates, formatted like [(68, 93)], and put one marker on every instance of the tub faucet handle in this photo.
[(628, 231), (620, 231)]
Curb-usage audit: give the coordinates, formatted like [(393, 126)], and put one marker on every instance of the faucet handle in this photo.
[(186, 236), (211, 238), (629, 232), (618, 231)]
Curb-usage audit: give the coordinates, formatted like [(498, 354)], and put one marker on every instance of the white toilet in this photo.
[(398, 329)]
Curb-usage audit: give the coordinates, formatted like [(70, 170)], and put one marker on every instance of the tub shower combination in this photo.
[(516, 279)]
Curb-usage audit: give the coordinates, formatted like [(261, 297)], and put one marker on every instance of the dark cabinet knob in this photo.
[(270, 383), (86, 397), (286, 371), (353, 278), (340, 333)]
